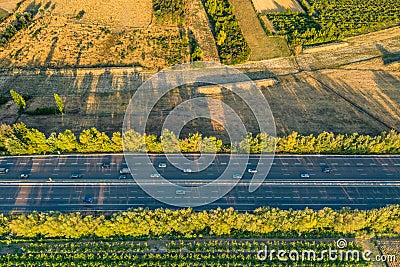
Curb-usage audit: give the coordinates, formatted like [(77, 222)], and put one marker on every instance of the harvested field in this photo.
[(8, 5), (56, 38), (277, 5), (262, 47), (121, 13)]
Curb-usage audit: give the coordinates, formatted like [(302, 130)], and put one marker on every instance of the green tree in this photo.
[(59, 102), (19, 100), (169, 141)]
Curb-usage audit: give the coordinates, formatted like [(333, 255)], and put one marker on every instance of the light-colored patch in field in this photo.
[(262, 47), (117, 13), (8, 5), (277, 5)]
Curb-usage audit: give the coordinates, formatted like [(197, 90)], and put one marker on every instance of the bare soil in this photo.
[(277, 5)]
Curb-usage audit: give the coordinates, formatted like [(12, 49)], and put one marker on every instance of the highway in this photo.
[(356, 181)]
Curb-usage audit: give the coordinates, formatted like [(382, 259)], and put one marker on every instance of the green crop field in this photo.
[(328, 21), (150, 253)]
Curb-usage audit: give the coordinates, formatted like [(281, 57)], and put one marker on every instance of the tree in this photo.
[(197, 54), (221, 37), (169, 141), (19, 100), (59, 102)]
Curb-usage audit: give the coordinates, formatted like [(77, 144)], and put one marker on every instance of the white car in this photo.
[(252, 171), (155, 175), (304, 175), (187, 170), (236, 176), (180, 192), (3, 170), (162, 165), (125, 171)]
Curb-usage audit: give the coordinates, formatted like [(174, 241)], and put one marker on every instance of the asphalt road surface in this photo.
[(356, 181)]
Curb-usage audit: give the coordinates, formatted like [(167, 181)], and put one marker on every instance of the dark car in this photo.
[(106, 166), (327, 170), (75, 176), (88, 200), (122, 177), (24, 176)]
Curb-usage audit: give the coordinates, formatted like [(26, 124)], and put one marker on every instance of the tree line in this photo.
[(187, 223), (231, 44), (18, 139), (182, 253)]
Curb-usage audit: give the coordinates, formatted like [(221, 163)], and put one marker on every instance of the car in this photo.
[(180, 192), (106, 166), (122, 177), (252, 171), (3, 170), (187, 170), (24, 176), (162, 165), (75, 176), (88, 200), (327, 170), (125, 171), (236, 176), (304, 175), (155, 175)]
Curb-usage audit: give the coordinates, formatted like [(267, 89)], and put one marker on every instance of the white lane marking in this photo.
[(396, 164), (10, 163), (61, 163), (310, 163), (74, 163), (138, 163), (338, 174), (389, 174), (23, 163), (360, 164), (112, 163), (285, 163), (360, 169), (335, 164), (384, 164), (372, 164), (86, 163), (363, 174), (298, 163), (347, 164)]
